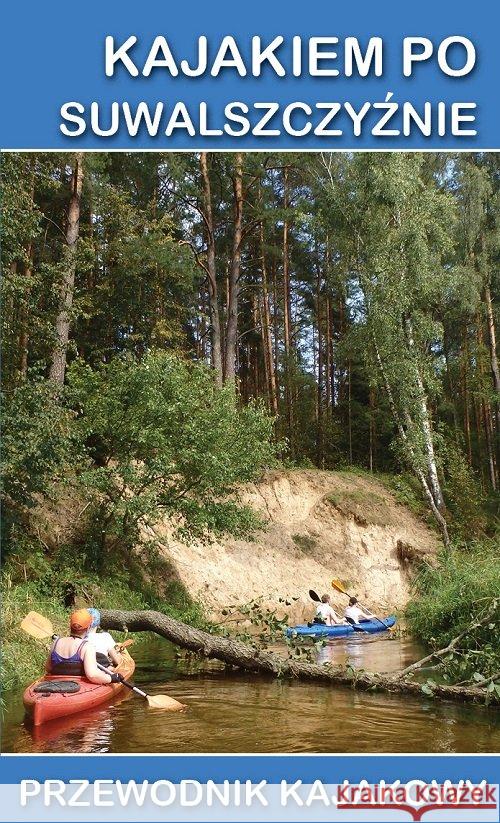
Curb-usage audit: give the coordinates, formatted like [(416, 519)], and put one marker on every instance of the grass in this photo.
[(365, 507), (449, 597), (23, 657), (403, 486)]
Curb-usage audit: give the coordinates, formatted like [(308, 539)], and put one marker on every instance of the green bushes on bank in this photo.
[(449, 598), (23, 657)]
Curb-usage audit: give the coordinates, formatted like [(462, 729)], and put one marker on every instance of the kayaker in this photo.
[(74, 655), (325, 614), (355, 614), (102, 642)]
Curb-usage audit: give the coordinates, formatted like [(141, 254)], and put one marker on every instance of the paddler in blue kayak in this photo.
[(325, 615), (354, 614)]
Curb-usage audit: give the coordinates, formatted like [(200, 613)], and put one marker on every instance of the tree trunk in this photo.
[(267, 341), (57, 370), (371, 401), (234, 275), (488, 432), (235, 653), (425, 422), (328, 358), (320, 451), (287, 316), (486, 412), (412, 459), (495, 370), (24, 318), (349, 408), (465, 390), (28, 274), (276, 330), (213, 298)]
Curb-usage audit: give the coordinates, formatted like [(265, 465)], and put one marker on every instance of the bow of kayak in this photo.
[(42, 707), (341, 630)]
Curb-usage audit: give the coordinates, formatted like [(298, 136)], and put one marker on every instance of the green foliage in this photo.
[(165, 440), (23, 657), (268, 627), (407, 491), (463, 493), (364, 506), (451, 597), (40, 443)]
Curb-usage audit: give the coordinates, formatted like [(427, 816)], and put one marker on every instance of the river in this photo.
[(229, 711)]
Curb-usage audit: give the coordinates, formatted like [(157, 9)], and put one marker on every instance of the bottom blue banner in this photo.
[(253, 788)]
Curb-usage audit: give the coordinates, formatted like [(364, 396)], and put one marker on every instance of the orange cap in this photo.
[(80, 620)]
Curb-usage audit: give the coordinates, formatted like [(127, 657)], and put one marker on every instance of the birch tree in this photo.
[(396, 236)]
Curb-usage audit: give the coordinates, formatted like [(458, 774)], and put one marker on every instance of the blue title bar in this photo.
[(267, 75)]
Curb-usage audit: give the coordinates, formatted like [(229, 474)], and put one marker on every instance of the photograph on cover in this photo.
[(251, 452)]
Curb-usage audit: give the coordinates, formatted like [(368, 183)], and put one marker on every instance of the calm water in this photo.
[(236, 712)]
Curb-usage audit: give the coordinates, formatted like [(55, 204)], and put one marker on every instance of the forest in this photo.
[(174, 323)]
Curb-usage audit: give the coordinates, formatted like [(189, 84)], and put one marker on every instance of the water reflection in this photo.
[(238, 712), (387, 654)]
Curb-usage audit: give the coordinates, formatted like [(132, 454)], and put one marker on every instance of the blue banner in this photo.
[(252, 788), (281, 75)]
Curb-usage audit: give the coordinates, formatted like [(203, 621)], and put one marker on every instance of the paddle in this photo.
[(337, 584), (317, 599), (155, 701), (40, 628), (125, 644), (37, 626)]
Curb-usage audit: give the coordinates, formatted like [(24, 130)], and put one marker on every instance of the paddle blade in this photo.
[(314, 596), (37, 626), (163, 701), (336, 583), (125, 644)]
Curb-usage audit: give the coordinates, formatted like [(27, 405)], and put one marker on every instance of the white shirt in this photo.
[(326, 612), (101, 641), (355, 613)]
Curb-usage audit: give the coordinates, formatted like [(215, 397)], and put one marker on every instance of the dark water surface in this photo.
[(237, 712)]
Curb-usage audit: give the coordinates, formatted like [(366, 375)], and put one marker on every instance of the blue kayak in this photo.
[(342, 630)]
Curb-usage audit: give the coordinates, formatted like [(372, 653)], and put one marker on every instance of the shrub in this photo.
[(39, 444), (452, 596), (165, 440)]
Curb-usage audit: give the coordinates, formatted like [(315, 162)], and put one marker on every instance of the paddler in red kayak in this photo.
[(74, 655), (106, 649)]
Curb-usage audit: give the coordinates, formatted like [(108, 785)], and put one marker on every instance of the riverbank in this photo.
[(23, 657), (362, 528), (316, 525)]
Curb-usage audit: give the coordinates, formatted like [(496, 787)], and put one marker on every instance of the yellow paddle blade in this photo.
[(163, 701), (37, 626), (338, 585), (125, 644)]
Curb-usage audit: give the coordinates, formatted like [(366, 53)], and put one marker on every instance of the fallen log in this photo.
[(236, 653)]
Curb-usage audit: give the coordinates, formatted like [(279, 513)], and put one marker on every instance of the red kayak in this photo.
[(53, 696)]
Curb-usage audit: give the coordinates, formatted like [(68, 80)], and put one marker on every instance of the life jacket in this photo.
[(67, 665)]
